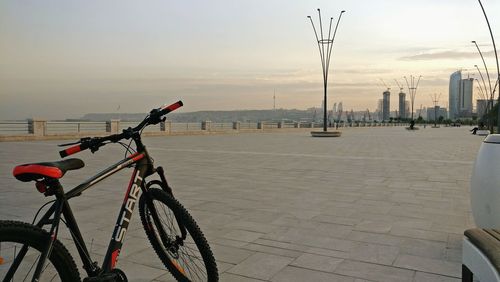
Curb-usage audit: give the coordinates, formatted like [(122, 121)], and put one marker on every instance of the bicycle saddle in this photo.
[(56, 170)]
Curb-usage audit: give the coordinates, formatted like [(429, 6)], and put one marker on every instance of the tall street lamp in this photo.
[(325, 46), (489, 98), (412, 89), (496, 58)]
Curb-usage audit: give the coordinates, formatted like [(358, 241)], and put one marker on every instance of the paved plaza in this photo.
[(377, 204)]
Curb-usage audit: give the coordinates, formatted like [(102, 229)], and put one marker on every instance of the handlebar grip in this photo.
[(167, 109), (72, 150)]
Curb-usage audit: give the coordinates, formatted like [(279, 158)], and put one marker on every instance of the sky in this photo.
[(62, 59)]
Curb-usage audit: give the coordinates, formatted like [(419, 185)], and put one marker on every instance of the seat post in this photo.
[(54, 187)]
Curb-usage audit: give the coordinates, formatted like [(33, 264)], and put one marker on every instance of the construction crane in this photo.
[(386, 86), (399, 85)]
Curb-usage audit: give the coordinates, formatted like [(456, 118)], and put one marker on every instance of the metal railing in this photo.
[(222, 126), (47, 128), (55, 127), (14, 127), (185, 126)]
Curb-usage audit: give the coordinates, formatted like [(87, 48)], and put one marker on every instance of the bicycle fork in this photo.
[(165, 187)]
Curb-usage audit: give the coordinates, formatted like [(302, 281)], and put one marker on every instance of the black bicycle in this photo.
[(32, 251)]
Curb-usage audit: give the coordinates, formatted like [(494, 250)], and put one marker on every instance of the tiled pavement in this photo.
[(377, 204)]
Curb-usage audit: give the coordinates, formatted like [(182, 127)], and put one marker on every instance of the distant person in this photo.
[(425, 124), (412, 124), (475, 129), (336, 125)]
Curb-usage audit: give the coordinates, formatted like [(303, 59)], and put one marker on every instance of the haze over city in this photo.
[(62, 59)]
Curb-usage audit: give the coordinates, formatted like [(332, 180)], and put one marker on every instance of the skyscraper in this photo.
[(466, 97), (402, 105), (386, 105), (454, 93), (460, 95)]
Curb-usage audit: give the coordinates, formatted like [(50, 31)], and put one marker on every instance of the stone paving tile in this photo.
[(317, 262), (429, 277), (307, 275), (228, 277), (271, 250), (360, 198), (229, 254), (373, 272), (380, 254), (429, 265), (376, 238), (419, 234), (373, 226), (243, 235), (423, 248), (261, 266)]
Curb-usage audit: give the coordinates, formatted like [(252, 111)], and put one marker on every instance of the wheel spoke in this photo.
[(181, 254)]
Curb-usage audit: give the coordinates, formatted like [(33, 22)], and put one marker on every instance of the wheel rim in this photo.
[(26, 269), (183, 254)]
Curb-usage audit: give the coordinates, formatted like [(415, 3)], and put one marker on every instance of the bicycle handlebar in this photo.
[(167, 109), (154, 117)]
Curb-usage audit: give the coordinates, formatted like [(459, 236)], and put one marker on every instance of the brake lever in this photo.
[(68, 144), (82, 140)]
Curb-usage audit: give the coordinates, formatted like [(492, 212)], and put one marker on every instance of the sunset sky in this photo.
[(62, 59)]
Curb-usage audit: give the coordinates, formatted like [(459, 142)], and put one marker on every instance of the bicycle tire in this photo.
[(16, 232), (177, 266)]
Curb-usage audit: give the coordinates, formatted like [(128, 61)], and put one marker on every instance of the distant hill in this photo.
[(218, 116)]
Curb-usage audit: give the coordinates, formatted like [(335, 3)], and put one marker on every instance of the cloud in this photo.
[(444, 55)]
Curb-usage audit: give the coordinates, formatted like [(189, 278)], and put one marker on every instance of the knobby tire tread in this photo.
[(24, 233), (193, 230)]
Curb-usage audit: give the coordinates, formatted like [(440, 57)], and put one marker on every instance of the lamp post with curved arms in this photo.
[(412, 89), (496, 58), (482, 79), (325, 46), (485, 67), (489, 97)]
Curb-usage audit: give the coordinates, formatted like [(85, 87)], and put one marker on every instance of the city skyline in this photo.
[(63, 59)]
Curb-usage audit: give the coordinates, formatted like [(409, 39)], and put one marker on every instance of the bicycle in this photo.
[(28, 249)]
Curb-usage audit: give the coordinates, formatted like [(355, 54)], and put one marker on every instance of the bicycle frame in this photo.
[(143, 168)]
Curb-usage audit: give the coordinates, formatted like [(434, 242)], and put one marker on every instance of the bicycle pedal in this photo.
[(108, 277), (116, 275)]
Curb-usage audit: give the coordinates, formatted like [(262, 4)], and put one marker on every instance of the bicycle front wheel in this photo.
[(25, 242), (187, 254)]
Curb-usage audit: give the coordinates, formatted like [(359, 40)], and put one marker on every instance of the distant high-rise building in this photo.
[(437, 110), (378, 113), (460, 96), (402, 106), (454, 94), (481, 105), (386, 106), (339, 111), (466, 86)]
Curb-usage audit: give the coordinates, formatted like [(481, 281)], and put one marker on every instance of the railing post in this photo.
[(206, 125), (113, 126), (168, 124), (260, 125), (236, 125), (37, 127)]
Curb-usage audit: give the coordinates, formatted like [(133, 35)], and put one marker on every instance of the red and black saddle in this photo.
[(37, 171)]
